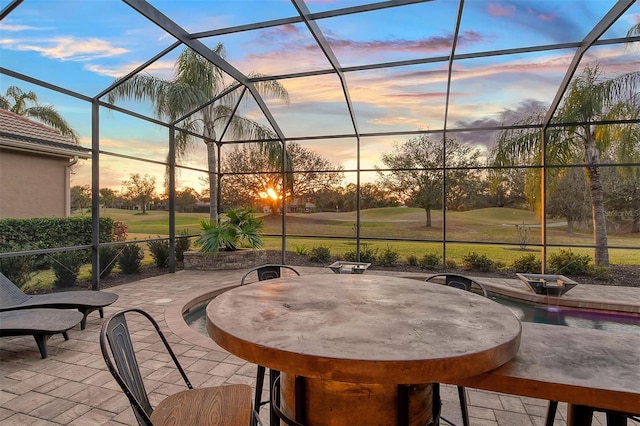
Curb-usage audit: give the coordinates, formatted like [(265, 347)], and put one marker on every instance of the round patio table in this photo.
[(348, 345)]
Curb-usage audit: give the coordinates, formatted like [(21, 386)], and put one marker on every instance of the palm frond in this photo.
[(270, 88), (49, 116)]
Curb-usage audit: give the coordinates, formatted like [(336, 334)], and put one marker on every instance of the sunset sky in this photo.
[(84, 45)]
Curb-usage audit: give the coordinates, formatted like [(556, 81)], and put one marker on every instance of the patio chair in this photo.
[(85, 301), (220, 405), (39, 323), (613, 418), (463, 283), (460, 281), (265, 272)]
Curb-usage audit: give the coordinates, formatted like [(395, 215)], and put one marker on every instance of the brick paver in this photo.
[(73, 387)]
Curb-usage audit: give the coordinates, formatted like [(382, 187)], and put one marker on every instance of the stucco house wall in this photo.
[(32, 185), (35, 170)]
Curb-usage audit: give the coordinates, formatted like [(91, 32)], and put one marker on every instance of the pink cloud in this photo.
[(542, 16), (431, 44), (497, 10)]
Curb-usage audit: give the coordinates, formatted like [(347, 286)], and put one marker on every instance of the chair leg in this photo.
[(579, 415), (551, 413), (275, 398), (41, 341), (257, 401), (464, 409), (616, 419)]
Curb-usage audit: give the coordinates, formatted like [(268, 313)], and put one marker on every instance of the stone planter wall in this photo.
[(239, 259)]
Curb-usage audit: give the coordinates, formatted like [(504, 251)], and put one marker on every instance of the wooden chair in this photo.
[(222, 405), (265, 272)]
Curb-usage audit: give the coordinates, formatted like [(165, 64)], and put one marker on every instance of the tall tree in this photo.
[(312, 172), (140, 189), (80, 197), (196, 82), (590, 99), (26, 104), (569, 197), (108, 197), (416, 170), (186, 200), (260, 181)]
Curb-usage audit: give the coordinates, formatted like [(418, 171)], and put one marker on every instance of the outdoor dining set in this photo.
[(360, 348)]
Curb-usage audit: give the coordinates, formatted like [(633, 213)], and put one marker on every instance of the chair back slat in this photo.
[(119, 339), (267, 272), (460, 281), (10, 294)]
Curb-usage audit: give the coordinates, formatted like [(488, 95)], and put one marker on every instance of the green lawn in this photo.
[(483, 225), (471, 227)]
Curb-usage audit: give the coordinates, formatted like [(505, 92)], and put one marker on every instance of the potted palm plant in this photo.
[(225, 244)]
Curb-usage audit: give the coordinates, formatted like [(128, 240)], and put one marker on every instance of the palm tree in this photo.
[(590, 98), (196, 82), (26, 104)]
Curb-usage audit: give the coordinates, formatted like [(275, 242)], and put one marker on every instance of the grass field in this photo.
[(491, 225), (471, 230)]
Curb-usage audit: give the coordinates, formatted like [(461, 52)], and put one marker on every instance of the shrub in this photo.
[(451, 264), (240, 229), (301, 250), (477, 262), (499, 265), (412, 260), (527, 263), (388, 257), (321, 254), (367, 254), (108, 260), (130, 258), (120, 231), (183, 243), (351, 256), (567, 262), (66, 267), (430, 261), (160, 252), (48, 232), (18, 269)]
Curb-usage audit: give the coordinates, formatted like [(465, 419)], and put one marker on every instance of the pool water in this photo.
[(572, 317), (526, 312)]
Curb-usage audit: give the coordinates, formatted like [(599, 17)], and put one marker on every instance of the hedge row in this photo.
[(44, 233)]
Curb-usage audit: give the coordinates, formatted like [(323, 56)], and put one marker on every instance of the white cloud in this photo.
[(161, 69), (67, 48), (16, 28)]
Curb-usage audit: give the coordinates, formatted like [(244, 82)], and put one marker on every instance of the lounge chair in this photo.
[(39, 323), (85, 301)]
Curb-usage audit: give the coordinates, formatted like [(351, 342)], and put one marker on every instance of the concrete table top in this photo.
[(364, 328)]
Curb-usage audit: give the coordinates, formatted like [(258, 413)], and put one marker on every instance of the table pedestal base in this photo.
[(322, 402)]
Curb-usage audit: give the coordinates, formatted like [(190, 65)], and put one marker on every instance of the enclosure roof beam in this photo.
[(328, 53), (312, 16), (601, 27), (161, 20)]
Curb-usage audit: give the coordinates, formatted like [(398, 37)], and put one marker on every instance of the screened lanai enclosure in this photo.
[(424, 128)]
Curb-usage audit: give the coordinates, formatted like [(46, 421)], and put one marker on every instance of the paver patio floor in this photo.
[(73, 387)]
